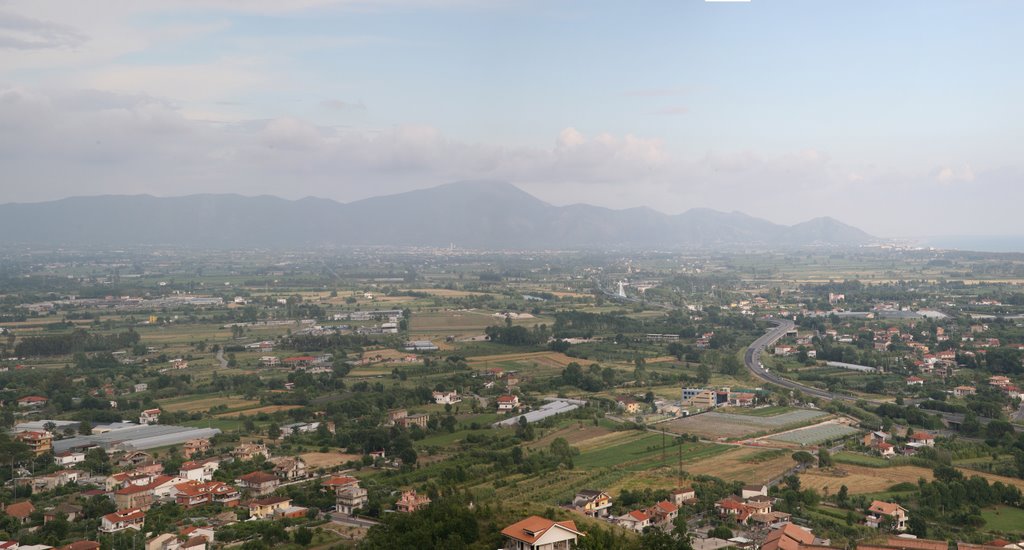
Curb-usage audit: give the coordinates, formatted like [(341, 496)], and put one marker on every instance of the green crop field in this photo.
[(645, 452), (1004, 519), (861, 460)]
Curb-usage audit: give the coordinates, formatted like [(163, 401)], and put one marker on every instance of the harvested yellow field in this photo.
[(862, 479), (741, 464), (327, 460)]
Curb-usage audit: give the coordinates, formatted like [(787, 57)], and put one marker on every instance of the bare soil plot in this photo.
[(206, 403), (327, 460)]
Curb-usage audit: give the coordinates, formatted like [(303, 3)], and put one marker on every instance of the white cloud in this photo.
[(951, 174)]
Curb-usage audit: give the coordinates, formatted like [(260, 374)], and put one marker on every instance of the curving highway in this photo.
[(752, 359)]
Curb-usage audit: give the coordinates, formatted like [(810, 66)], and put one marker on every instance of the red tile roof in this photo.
[(532, 528)]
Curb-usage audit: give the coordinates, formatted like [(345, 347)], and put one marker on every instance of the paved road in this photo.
[(344, 519), (752, 360)]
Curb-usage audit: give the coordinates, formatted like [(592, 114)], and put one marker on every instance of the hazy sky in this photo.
[(902, 118)]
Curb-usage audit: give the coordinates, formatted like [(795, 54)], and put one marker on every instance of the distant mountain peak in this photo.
[(485, 214)]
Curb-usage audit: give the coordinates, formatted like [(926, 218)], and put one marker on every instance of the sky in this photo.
[(901, 118)]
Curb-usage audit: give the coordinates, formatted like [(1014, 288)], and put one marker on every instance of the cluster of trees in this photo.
[(594, 378), (517, 335), (79, 340)]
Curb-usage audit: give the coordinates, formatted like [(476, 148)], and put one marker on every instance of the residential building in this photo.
[(131, 518), (790, 537), (414, 420), (249, 451), (508, 403), (39, 442), (32, 402), (268, 507), (259, 483), (68, 458), (749, 491), (193, 493), (447, 397), (199, 470), (349, 496), (963, 391), (537, 533), (289, 469), (134, 497), (628, 405), (194, 447), (683, 496), (592, 503), (149, 416), (636, 520), (395, 416), (663, 512), (21, 511), (410, 501), (897, 513), (915, 381), (923, 438)]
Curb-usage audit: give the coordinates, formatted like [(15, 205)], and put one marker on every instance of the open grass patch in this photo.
[(1004, 519)]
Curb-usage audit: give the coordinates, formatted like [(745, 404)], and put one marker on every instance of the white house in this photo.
[(447, 397), (68, 458), (635, 520), (508, 403), (199, 470), (149, 416)]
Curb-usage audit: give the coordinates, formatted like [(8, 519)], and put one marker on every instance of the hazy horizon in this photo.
[(894, 118)]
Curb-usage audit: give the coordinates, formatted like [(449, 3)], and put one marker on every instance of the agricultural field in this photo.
[(268, 409), (866, 479), (644, 451), (747, 464), (716, 425), (1004, 519), (327, 460), (813, 435), (542, 363), (205, 403)]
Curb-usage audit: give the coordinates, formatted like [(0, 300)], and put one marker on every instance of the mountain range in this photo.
[(473, 214)]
